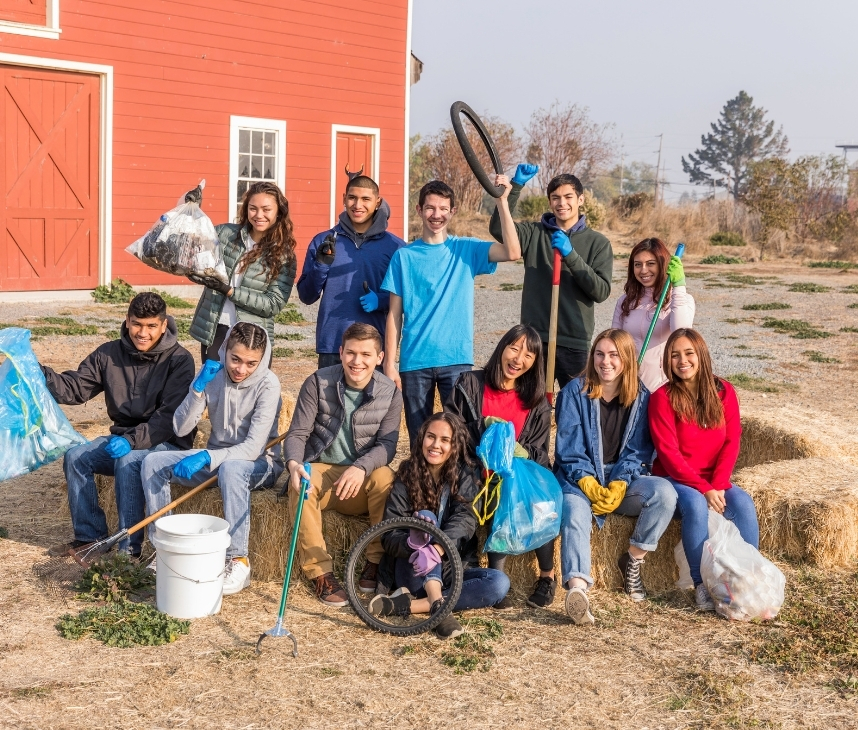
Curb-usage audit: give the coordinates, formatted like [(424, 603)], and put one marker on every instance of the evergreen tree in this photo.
[(739, 137)]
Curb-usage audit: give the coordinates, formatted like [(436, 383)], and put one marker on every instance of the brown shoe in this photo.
[(368, 578), (330, 592)]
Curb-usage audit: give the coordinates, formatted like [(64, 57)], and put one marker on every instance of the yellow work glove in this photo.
[(604, 500), (490, 420)]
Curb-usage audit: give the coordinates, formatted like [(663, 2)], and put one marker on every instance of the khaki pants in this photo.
[(371, 498)]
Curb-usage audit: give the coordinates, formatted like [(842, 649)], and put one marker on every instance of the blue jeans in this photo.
[(481, 587), (693, 509), (651, 499), (80, 465), (418, 392), (235, 477)]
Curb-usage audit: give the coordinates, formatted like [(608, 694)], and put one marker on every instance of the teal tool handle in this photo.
[(305, 488), (680, 249)]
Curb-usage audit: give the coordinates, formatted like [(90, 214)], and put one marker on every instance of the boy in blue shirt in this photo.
[(431, 286), (339, 261)]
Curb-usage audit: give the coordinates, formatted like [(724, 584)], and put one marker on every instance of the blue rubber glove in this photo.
[(523, 173), (369, 301), (561, 242), (190, 465), (117, 447), (209, 369)]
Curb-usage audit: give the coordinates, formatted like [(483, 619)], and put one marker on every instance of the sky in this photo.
[(647, 67)]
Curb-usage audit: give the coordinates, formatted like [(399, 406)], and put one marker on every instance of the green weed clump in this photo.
[(817, 356), (796, 328), (291, 336), (506, 286), (115, 578), (832, 265), (62, 326), (290, 314), (123, 624), (751, 280), (117, 292), (749, 382), (849, 329), (4, 533), (721, 259), (473, 649), (172, 301), (766, 306), (854, 305), (808, 287), (851, 289), (282, 352), (727, 238), (622, 255)]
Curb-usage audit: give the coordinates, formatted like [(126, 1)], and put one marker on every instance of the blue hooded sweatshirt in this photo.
[(358, 258)]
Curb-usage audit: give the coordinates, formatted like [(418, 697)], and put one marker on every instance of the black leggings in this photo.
[(544, 556)]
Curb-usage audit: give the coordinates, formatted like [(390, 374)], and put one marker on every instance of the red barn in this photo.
[(112, 109)]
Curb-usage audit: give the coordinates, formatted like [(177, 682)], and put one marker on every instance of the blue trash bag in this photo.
[(528, 516), (497, 446), (33, 429)]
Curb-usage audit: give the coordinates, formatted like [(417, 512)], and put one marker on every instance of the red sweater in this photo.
[(702, 458)]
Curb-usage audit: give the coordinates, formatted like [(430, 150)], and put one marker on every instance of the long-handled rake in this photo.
[(279, 630), (64, 571)]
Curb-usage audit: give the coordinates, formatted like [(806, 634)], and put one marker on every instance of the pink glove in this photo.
[(418, 538), (423, 559)]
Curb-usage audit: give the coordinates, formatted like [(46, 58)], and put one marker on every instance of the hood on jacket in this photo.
[(167, 342), (376, 228), (549, 221), (257, 374)]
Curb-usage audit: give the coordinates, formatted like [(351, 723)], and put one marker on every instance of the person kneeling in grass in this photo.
[(436, 483), (346, 424), (603, 446), (243, 399), (512, 388), (694, 418)]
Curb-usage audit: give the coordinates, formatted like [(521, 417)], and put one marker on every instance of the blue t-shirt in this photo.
[(436, 283)]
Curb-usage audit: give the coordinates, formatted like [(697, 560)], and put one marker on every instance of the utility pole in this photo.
[(658, 167)]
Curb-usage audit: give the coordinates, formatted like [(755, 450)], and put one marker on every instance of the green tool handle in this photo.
[(305, 487), (680, 249)]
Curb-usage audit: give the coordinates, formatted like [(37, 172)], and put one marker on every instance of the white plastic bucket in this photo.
[(191, 552)]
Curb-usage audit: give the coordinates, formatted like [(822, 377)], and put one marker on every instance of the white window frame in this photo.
[(51, 30), (269, 125), (105, 148), (337, 195)]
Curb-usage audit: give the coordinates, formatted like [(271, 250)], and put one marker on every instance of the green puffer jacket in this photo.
[(255, 300)]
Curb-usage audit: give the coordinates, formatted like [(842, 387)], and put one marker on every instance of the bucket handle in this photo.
[(192, 580)]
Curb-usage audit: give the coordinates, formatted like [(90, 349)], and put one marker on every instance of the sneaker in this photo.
[(577, 606), (450, 627), (543, 593), (703, 599), (368, 580), (236, 576), (504, 604), (397, 603), (330, 592), (631, 571), (65, 547)]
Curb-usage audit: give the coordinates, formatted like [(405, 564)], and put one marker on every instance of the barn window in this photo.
[(257, 152), (37, 18)]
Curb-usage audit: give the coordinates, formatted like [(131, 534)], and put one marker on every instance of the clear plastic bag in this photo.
[(33, 429), (743, 584), (497, 446), (183, 241)]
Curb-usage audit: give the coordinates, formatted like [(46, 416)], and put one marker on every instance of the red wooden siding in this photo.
[(312, 63), (49, 147), (33, 12)]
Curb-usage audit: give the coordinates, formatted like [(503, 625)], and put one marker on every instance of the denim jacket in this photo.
[(578, 448)]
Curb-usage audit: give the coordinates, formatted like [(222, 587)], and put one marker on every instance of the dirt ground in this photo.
[(656, 665)]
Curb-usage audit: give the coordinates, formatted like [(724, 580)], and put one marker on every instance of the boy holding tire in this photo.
[(431, 285), (585, 277)]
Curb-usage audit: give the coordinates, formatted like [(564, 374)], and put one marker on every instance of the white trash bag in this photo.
[(743, 584), (183, 241)]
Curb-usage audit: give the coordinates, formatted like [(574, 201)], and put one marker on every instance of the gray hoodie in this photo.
[(243, 415)]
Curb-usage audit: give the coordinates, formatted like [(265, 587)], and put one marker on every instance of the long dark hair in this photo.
[(424, 492), (277, 246), (634, 289), (530, 386), (708, 411)]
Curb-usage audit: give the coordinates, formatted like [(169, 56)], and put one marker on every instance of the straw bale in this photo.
[(807, 509)]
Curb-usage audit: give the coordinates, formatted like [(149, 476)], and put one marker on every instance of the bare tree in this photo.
[(563, 139)]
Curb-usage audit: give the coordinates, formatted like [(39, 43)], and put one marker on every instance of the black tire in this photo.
[(471, 158), (377, 531)]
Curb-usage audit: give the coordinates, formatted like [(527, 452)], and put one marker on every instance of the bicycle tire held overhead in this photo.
[(471, 158)]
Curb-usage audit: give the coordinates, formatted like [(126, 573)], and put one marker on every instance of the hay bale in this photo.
[(807, 509)]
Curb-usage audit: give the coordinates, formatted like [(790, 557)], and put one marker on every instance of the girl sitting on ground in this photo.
[(512, 388), (243, 400), (437, 484), (650, 266), (603, 446), (694, 419), (259, 254)]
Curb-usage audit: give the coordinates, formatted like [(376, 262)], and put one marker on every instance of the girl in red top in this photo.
[(512, 388), (695, 427)]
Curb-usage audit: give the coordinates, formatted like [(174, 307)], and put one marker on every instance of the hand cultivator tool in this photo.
[(63, 571), (279, 630), (680, 249)]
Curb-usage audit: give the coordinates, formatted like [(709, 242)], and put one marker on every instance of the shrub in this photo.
[(117, 292), (727, 238), (532, 207), (721, 259), (627, 205), (594, 211)]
